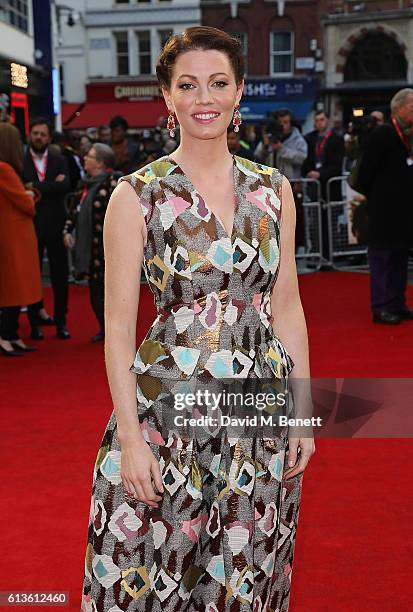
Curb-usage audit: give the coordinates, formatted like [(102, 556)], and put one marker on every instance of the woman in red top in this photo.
[(20, 280)]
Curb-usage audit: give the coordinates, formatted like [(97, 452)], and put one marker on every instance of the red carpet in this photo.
[(353, 551)]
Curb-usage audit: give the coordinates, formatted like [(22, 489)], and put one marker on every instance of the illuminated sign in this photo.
[(136, 91), (56, 91), (18, 75)]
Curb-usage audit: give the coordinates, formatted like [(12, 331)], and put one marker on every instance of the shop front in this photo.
[(21, 88), (264, 96), (140, 103)]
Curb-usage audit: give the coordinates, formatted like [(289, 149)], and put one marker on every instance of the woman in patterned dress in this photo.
[(197, 523)]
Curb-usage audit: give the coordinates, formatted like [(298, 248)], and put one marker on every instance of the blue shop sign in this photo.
[(286, 89)]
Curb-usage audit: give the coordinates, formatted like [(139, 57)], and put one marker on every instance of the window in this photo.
[(243, 39), (375, 56), (163, 37), (122, 52), (15, 13), (281, 59), (144, 52)]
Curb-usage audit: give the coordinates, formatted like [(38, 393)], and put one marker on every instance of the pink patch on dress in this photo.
[(201, 207), (211, 317), (254, 198), (287, 569), (194, 528), (151, 434), (248, 526), (197, 307), (178, 205), (256, 301), (269, 521)]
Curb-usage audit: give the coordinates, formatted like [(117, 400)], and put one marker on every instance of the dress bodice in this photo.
[(211, 290)]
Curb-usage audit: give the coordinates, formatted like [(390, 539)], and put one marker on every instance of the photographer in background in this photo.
[(282, 145)]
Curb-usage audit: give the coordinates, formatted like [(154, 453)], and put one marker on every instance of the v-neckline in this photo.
[(218, 220)]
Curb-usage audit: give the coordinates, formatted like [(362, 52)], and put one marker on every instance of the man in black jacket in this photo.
[(48, 173), (324, 160), (386, 178)]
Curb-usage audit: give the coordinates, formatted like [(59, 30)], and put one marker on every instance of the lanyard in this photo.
[(40, 173), (404, 138), (320, 145), (83, 195)]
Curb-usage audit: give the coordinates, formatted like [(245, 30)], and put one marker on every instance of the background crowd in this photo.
[(54, 191)]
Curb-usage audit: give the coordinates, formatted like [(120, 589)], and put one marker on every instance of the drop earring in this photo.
[(171, 124), (237, 119)]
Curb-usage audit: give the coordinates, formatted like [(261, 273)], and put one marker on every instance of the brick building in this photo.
[(337, 54), (368, 53), (283, 50)]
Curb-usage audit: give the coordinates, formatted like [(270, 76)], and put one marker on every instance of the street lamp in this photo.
[(56, 41)]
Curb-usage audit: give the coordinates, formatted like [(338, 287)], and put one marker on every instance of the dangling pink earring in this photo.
[(171, 124), (237, 119)]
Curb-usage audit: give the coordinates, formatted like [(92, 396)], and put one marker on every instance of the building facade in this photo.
[(368, 54), (107, 53), (20, 80), (283, 47)]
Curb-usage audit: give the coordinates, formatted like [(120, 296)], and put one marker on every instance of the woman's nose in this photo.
[(204, 96)]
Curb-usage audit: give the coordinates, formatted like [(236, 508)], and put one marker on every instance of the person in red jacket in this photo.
[(20, 280)]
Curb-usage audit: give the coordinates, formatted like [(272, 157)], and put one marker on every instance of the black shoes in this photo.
[(388, 318), (46, 321), (37, 333), (62, 332), (406, 313), (99, 337), (393, 318), (11, 353), (23, 349)]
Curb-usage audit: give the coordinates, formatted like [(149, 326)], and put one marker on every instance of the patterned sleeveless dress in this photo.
[(223, 536)]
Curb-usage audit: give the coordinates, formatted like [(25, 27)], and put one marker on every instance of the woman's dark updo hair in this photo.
[(199, 37)]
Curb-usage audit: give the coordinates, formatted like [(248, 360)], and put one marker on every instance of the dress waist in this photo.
[(217, 301)]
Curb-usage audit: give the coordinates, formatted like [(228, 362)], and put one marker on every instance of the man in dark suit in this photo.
[(386, 179), (48, 173), (324, 160)]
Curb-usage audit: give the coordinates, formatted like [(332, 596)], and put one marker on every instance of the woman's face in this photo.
[(92, 166), (203, 93)]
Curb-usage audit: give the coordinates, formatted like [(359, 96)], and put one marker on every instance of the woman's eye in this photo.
[(185, 85), (221, 83)]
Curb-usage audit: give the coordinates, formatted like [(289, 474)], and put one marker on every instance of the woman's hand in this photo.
[(68, 241), (138, 467), (307, 449)]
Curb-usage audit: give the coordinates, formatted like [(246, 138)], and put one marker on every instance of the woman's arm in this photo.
[(289, 321), (13, 189), (290, 326), (124, 235)]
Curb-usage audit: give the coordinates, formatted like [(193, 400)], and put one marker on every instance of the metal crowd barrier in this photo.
[(344, 250), (308, 255)]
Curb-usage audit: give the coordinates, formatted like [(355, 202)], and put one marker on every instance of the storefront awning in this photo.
[(142, 114), (69, 110), (256, 111)]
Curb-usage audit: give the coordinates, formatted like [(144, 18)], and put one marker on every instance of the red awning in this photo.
[(143, 114), (68, 111)]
